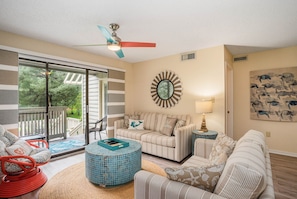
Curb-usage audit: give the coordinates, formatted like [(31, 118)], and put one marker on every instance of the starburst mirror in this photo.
[(166, 89)]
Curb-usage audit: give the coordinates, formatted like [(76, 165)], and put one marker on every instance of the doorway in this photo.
[(229, 100)]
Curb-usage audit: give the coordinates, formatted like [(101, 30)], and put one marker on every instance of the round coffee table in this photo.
[(108, 168)]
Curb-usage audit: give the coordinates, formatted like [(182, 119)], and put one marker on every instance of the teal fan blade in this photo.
[(120, 53), (106, 34)]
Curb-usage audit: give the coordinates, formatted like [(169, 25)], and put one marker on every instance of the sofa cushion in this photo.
[(196, 161), (136, 124), (161, 119), (169, 126), (158, 139), (242, 182), (7, 137), (244, 175), (202, 177), (129, 116), (179, 123), (3, 152), (20, 147), (149, 119), (41, 155), (255, 137), (131, 134), (222, 145)]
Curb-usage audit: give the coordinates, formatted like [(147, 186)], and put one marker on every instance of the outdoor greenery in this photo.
[(32, 90)]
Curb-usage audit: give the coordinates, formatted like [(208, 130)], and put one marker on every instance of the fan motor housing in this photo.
[(114, 26)]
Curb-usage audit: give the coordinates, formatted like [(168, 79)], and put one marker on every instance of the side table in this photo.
[(109, 168), (206, 135)]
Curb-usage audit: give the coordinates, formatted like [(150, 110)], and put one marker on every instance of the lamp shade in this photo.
[(204, 106)]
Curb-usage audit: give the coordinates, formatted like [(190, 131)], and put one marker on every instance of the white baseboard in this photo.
[(283, 153)]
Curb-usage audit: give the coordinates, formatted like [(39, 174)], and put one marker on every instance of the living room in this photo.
[(204, 83), (202, 77)]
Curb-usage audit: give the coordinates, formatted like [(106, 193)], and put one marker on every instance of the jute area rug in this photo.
[(72, 183)]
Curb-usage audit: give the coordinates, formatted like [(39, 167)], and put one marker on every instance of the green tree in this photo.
[(32, 88)]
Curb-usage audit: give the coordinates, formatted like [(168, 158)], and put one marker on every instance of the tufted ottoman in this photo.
[(109, 168)]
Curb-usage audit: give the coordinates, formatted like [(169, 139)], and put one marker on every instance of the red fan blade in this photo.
[(137, 44)]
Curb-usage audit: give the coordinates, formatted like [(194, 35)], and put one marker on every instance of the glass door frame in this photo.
[(47, 66)]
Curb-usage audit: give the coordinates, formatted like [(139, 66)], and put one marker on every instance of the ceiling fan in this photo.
[(114, 43)]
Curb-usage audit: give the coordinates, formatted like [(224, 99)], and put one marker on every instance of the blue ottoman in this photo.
[(108, 168)]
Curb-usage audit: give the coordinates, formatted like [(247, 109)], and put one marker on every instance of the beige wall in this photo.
[(283, 134), (201, 78)]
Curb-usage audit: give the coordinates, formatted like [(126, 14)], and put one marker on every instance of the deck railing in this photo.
[(32, 121)]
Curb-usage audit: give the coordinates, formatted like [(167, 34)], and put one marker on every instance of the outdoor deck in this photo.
[(75, 142), (65, 134)]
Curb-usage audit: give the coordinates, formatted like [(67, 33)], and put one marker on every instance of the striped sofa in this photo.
[(176, 147), (247, 174)]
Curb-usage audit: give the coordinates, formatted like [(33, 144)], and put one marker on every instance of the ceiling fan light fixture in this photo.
[(114, 46)]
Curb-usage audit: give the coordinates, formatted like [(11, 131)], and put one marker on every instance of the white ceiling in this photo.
[(176, 26)]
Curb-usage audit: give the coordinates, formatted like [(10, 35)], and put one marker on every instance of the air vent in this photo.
[(188, 56), (244, 58)]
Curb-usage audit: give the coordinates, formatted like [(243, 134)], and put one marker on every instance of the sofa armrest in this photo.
[(203, 147), (183, 141), (118, 124), (268, 193), (148, 185)]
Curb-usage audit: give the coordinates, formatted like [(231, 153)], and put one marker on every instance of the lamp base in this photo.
[(203, 129), (203, 124)]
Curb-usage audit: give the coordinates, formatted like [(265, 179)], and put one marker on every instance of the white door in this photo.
[(229, 99)]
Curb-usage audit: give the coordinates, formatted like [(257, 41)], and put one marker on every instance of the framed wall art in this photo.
[(273, 94)]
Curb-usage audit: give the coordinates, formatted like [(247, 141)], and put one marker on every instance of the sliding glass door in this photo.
[(32, 99), (57, 101), (97, 100)]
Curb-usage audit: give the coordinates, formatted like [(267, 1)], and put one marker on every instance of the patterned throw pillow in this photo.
[(220, 159), (204, 178), (223, 144), (127, 117), (20, 147), (136, 124), (169, 126), (179, 123)]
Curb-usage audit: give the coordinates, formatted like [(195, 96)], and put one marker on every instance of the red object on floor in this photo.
[(12, 187), (19, 172)]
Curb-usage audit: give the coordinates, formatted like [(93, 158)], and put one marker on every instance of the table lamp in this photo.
[(203, 106)]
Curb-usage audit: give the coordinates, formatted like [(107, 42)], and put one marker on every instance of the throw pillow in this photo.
[(20, 147), (223, 144), (129, 116), (204, 178), (220, 159), (241, 181), (136, 124), (169, 126), (179, 123)]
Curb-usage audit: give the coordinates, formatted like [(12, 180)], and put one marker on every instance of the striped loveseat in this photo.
[(246, 174), (175, 146)]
